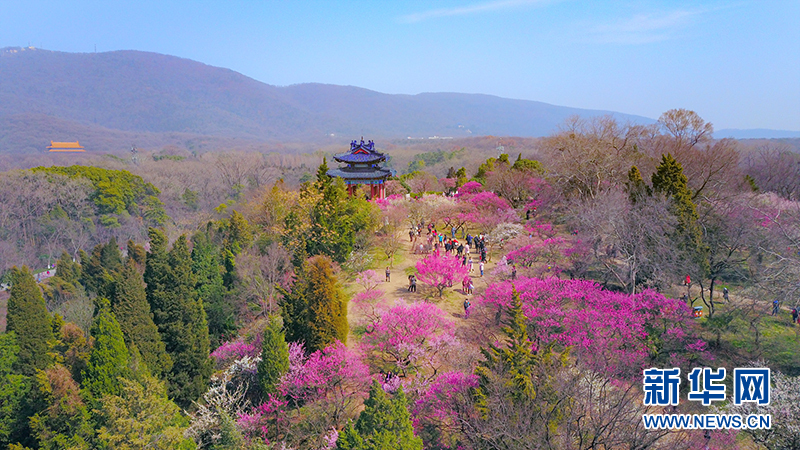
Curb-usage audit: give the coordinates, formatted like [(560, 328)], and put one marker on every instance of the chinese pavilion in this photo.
[(70, 147), (363, 167)]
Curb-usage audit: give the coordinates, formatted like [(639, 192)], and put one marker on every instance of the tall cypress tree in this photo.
[(137, 253), (179, 316), (669, 180), (323, 179), (110, 257), (635, 186), (14, 390), (335, 219), (315, 311), (68, 270), (385, 423), (28, 318), (274, 357), (211, 289), (516, 358), (133, 314), (109, 357), (65, 284), (516, 386), (99, 270)]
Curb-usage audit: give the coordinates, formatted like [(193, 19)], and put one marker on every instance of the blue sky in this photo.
[(736, 63)]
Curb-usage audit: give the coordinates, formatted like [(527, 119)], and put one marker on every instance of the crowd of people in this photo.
[(435, 242)]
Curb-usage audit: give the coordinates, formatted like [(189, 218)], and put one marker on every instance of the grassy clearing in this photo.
[(748, 334)]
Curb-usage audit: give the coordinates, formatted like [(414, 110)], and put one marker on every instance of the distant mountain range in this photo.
[(756, 133), (108, 101)]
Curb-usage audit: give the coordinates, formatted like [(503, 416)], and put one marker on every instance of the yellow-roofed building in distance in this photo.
[(67, 147)]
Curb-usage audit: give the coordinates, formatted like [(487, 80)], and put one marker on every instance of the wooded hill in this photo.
[(107, 100)]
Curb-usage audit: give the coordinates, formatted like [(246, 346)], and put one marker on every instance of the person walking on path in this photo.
[(794, 315), (775, 307), (480, 266), (466, 308), (388, 275), (413, 283), (470, 287), (725, 294), (469, 264)]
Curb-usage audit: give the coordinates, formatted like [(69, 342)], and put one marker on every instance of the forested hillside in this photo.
[(495, 299), (153, 100)]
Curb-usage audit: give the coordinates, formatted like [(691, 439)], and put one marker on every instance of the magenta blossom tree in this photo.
[(488, 210), (470, 187), (612, 333), (319, 393), (239, 348), (440, 408), (370, 306), (334, 373), (440, 272), (411, 338)]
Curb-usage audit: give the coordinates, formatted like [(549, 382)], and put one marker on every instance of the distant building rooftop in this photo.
[(65, 147)]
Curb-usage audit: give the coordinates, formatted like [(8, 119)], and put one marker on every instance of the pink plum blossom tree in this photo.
[(613, 333), (440, 272), (411, 338)]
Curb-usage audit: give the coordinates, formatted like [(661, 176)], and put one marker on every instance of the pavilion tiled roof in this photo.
[(371, 173), (65, 147), (361, 153)]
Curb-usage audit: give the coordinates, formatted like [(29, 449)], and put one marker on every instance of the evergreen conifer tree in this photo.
[(333, 229), (516, 357), (636, 187), (517, 384), (220, 312), (65, 284), (669, 180), (28, 317), (63, 420), (461, 177), (141, 417), (109, 357), (110, 257), (385, 423), (315, 311), (68, 270), (14, 390), (98, 271), (323, 179), (137, 253), (133, 314), (179, 316), (274, 357)]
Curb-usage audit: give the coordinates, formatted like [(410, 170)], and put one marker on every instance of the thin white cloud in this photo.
[(470, 9), (643, 28)]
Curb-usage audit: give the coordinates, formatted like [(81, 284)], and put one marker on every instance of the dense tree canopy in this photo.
[(29, 319)]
